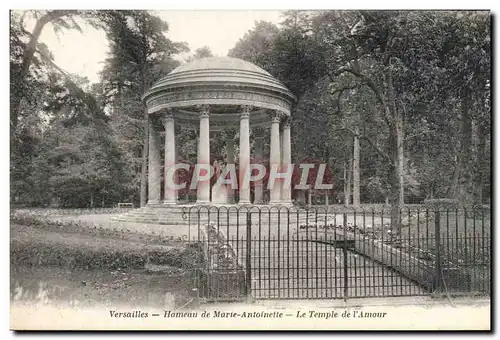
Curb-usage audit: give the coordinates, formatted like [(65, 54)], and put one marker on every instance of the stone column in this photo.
[(274, 157), (258, 155), (286, 147), (154, 164), (176, 175), (230, 160), (203, 190), (170, 193), (281, 161), (197, 155), (244, 154), (198, 146)]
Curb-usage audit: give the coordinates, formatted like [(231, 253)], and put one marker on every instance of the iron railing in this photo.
[(322, 253)]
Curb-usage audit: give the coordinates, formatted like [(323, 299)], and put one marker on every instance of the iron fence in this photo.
[(321, 253)]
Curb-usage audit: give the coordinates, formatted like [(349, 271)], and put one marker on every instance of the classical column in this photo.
[(154, 164), (280, 183), (230, 160), (176, 175), (203, 190), (258, 155), (198, 146), (197, 153), (170, 193), (244, 190), (286, 147), (275, 158)]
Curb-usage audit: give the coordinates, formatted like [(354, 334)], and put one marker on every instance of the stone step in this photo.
[(220, 216), (177, 216), (202, 223), (232, 215)]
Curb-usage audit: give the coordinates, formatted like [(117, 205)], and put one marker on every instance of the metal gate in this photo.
[(294, 254)]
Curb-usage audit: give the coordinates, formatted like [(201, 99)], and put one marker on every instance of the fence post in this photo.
[(248, 269), (439, 274)]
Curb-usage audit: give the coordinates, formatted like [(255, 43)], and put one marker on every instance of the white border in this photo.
[(186, 4)]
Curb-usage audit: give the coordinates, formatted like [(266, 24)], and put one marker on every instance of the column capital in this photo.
[(204, 110), (275, 116), (245, 111), (168, 116)]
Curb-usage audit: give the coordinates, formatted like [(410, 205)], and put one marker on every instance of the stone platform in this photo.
[(164, 214), (266, 220)]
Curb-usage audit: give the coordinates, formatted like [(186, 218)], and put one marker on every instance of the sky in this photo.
[(84, 54)]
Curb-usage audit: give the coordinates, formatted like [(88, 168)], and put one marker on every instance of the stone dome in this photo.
[(221, 82), (221, 63)]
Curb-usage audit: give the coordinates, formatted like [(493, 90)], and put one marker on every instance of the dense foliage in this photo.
[(397, 103)]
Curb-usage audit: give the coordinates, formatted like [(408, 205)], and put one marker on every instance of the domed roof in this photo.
[(218, 80), (221, 63)]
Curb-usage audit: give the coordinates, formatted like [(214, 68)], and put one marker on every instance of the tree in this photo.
[(202, 52), (256, 44), (381, 50), (26, 51), (79, 165), (37, 84), (140, 55), (53, 93), (465, 55)]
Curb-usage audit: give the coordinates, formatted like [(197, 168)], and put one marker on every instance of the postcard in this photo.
[(250, 170)]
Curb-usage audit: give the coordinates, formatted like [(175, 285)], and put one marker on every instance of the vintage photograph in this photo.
[(250, 170)]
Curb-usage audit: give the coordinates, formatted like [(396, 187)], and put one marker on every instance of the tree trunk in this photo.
[(28, 53), (452, 189), (18, 94), (395, 199), (355, 169), (401, 158), (145, 148), (480, 163), (463, 194), (396, 151), (144, 166), (347, 182), (462, 173), (397, 171)]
